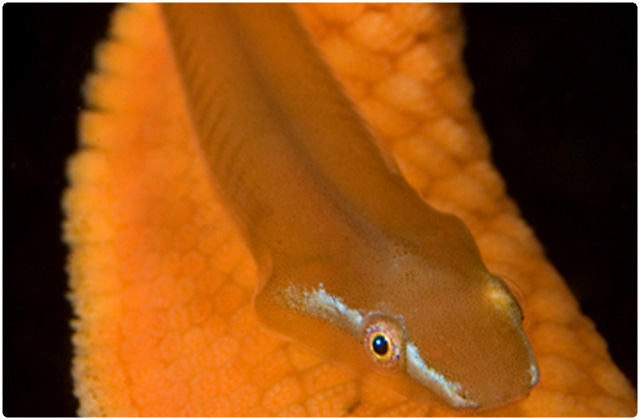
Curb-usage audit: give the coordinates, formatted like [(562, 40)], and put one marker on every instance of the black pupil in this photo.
[(380, 345)]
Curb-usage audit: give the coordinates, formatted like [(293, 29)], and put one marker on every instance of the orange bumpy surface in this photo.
[(162, 282)]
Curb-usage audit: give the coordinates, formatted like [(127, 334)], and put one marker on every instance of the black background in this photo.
[(556, 90)]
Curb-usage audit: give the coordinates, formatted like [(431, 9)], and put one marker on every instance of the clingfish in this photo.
[(353, 264)]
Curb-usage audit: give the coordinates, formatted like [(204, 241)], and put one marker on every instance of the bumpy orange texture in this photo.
[(162, 283)]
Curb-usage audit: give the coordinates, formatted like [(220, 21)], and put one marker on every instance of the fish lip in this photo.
[(436, 382), (534, 372)]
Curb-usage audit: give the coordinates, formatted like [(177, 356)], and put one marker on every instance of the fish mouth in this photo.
[(534, 373), (453, 393)]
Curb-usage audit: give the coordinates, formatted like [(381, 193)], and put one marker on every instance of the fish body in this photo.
[(353, 263)]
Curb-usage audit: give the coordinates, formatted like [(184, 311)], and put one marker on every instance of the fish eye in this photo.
[(380, 344), (512, 290), (383, 340), (519, 310)]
